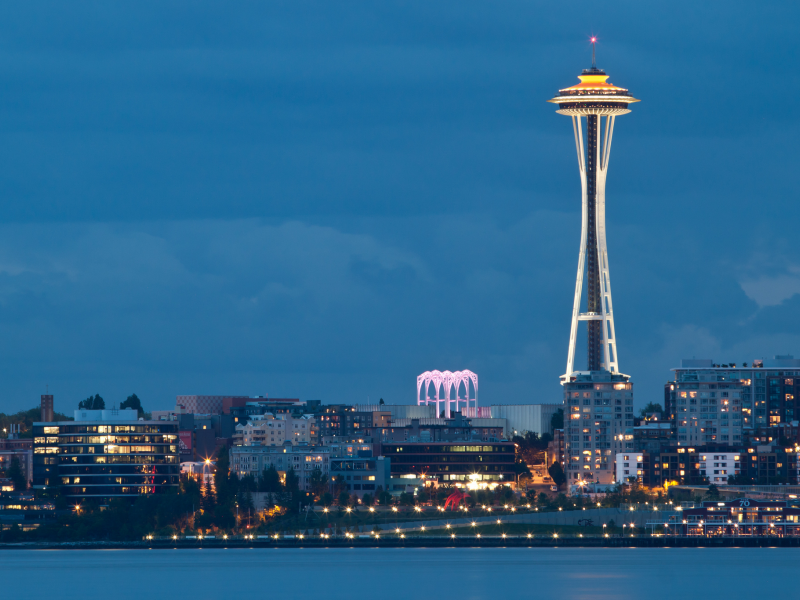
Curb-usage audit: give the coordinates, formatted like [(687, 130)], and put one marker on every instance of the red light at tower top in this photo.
[(594, 39)]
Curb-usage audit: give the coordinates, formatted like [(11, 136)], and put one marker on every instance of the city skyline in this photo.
[(279, 204)]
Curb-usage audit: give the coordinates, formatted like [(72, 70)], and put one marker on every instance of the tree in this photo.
[(16, 476), (557, 474), (208, 501), (96, 403), (133, 402), (318, 482), (384, 497), (521, 468), (327, 499), (651, 407), (292, 487), (222, 478), (381, 403), (270, 481), (339, 484), (343, 498), (406, 499), (557, 420), (367, 500)]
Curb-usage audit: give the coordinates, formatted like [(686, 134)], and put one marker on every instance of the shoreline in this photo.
[(422, 542)]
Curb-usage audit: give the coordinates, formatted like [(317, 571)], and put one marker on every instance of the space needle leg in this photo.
[(609, 333), (576, 305)]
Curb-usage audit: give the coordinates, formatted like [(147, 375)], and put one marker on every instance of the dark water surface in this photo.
[(413, 573)]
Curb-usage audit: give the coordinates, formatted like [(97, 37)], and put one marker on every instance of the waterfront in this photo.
[(389, 573)]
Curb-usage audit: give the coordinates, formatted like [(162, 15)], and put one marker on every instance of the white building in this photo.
[(274, 430), (629, 465), (526, 417), (718, 467), (252, 460)]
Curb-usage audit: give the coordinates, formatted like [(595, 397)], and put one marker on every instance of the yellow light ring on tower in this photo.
[(580, 111)]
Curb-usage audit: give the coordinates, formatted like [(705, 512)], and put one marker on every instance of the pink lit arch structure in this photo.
[(451, 389)]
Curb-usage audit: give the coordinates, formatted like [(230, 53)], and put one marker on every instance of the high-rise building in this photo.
[(598, 401)]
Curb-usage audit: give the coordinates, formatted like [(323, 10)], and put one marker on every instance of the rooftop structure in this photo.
[(448, 390)]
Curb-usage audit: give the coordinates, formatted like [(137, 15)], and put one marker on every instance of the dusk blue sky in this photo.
[(324, 199)]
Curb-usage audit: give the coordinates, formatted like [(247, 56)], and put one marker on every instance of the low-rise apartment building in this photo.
[(274, 430), (252, 460), (361, 476)]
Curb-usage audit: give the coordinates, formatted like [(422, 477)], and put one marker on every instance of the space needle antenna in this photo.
[(594, 43)]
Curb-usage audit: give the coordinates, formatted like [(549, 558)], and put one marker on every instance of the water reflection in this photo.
[(412, 573)]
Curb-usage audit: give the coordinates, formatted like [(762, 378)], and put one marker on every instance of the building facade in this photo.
[(706, 409), (630, 467), (274, 430), (439, 430), (361, 476), (765, 465), (717, 467), (106, 454), (770, 389), (743, 517), (521, 418), (252, 460), (458, 463), (598, 424)]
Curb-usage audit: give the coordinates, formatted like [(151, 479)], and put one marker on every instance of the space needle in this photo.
[(598, 402), (594, 98)]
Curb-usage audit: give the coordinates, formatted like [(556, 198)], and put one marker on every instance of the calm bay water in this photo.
[(412, 573)]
